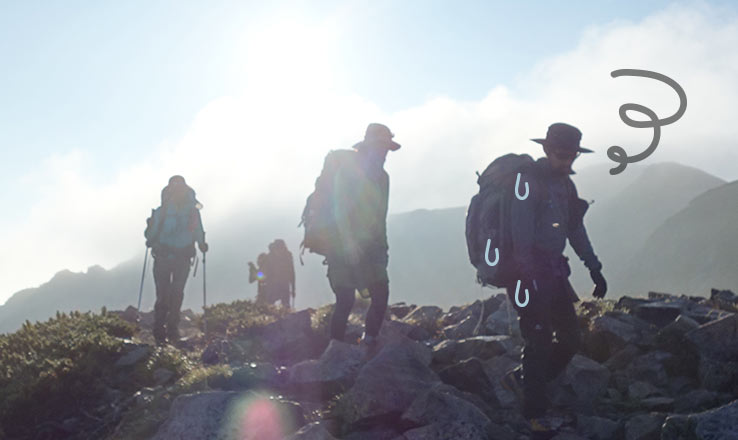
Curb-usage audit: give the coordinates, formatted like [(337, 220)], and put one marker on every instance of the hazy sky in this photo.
[(103, 101)]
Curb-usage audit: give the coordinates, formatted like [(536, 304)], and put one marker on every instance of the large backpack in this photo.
[(173, 231), (321, 231), (488, 220)]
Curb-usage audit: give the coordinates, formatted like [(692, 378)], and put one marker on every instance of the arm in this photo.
[(577, 234), (199, 232)]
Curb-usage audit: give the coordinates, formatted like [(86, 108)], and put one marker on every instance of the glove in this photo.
[(148, 244), (203, 247), (600, 284)]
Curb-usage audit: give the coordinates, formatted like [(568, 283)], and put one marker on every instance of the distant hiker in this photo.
[(346, 221), (540, 224), (171, 232), (279, 270), (256, 273)]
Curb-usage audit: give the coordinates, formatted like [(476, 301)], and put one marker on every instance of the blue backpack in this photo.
[(171, 227)]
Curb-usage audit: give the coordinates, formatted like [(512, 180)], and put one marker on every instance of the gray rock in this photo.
[(699, 400), (312, 431), (228, 415), (459, 314), (597, 428), (374, 433), (664, 404), (424, 316), (716, 340), (644, 427), (621, 359), (254, 375), (650, 367), (336, 369), (482, 347), (400, 310), (581, 383), (719, 423), (442, 416), (469, 376), (162, 376), (390, 329), (641, 390), (495, 369), (718, 376), (725, 299), (503, 321), (607, 334), (464, 329), (134, 353), (388, 383), (290, 339)]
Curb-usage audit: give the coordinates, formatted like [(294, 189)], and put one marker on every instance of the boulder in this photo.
[(424, 316), (640, 390), (496, 368), (607, 334), (441, 415), (725, 299), (650, 367), (717, 339), (469, 376), (718, 376), (290, 339), (699, 400), (312, 431), (390, 329), (718, 423), (335, 370), (597, 428), (663, 404), (482, 347), (254, 375), (503, 321), (387, 384), (644, 427), (468, 327), (133, 354), (457, 314), (580, 384), (400, 310)]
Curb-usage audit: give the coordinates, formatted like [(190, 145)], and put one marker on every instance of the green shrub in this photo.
[(52, 369), (239, 317)]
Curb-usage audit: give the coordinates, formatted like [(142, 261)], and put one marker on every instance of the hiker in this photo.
[(346, 221), (279, 271), (171, 233), (540, 225), (256, 273)]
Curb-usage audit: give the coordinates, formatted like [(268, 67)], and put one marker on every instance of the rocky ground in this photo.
[(662, 367)]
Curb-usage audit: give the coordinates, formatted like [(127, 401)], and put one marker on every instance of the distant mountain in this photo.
[(619, 222), (428, 259), (695, 249)]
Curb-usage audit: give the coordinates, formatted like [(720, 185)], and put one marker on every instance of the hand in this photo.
[(148, 244), (600, 284), (203, 247)]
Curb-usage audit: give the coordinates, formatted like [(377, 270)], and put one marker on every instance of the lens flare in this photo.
[(259, 417)]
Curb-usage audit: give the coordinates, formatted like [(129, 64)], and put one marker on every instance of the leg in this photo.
[(535, 326), (380, 294), (344, 302), (162, 281), (565, 324), (179, 279)]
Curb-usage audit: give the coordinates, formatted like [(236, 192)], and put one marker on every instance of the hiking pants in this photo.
[(550, 309), (170, 276), (345, 297)]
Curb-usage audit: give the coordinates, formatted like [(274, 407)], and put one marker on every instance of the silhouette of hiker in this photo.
[(172, 231), (279, 271), (541, 224), (256, 273), (359, 256)]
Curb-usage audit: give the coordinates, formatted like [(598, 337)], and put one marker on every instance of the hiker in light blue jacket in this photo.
[(172, 231)]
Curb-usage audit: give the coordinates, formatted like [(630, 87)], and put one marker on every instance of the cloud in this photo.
[(260, 150)]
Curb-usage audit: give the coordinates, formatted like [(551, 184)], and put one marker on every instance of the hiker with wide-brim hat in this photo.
[(541, 223), (345, 220)]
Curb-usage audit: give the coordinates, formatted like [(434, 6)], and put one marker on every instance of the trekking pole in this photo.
[(140, 289), (204, 297)]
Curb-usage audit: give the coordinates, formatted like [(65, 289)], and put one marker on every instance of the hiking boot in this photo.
[(513, 382), (542, 427)]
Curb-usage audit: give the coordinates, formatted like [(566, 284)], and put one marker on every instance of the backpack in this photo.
[(171, 227), (488, 220), (321, 231)]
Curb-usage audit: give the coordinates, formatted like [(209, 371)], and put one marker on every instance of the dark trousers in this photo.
[(550, 309), (170, 276), (345, 297)]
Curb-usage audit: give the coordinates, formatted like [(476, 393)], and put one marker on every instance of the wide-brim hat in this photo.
[(378, 135), (563, 137)]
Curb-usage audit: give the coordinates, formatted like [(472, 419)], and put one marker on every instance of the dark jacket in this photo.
[(541, 224)]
